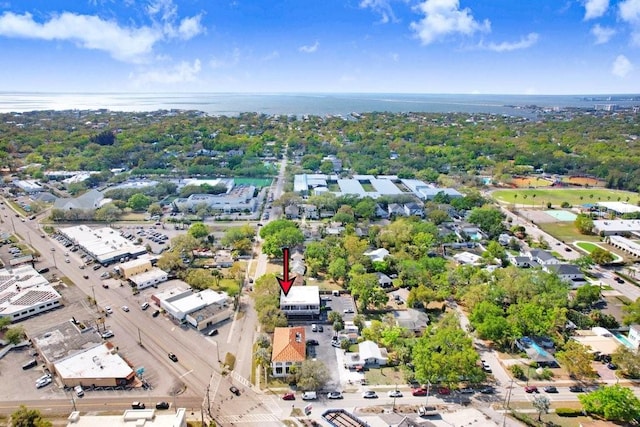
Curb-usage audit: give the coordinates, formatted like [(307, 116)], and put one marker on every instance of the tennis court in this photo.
[(561, 215)]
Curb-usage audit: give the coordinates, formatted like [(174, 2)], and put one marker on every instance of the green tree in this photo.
[(271, 317), (577, 360), (170, 261), (601, 256), (263, 358), (367, 291), (154, 209), (587, 295), (312, 375), (25, 417), (14, 335), (445, 353), (138, 202), (614, 403), (627, 361), (4, 323), (199, 278), (184, 244), (489, 220), (495, 251), (584, 223), (365, 208), (199, 230), (108, 213), (632, 313), (286, 238)]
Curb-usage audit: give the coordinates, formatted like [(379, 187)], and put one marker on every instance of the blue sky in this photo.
[(381, 46)]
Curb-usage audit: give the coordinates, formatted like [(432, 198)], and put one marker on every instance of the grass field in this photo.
[(587, 246), (566, 232), (258, 182), (556, 196)]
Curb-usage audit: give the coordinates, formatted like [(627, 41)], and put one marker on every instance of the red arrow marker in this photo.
[(285, 283)]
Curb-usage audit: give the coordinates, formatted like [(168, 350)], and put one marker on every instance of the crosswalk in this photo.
[(248, 418), (242, 380)]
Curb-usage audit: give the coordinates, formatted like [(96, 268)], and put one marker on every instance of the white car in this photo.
[(394, 393), (108, 310), (107, 334), (43, 382), (125, 308), (144, 306)]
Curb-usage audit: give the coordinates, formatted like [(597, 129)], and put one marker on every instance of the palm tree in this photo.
[(263, 358)]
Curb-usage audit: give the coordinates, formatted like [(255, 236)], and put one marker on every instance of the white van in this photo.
[(79, 390), (309, 395)]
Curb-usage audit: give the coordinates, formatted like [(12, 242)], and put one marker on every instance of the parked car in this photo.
[(487, 390), (576, 389), (531, 389), (486, 367), (156, 313), (334, 395), (466, 390), (309, 395), (144, 305), (44, 381), (419, 392), (107, 334), (125, 308), (233, 389), (138, 405), (108, 310), (369, 394), (394, 393), (211, 333), (288, 396), (550, 389), (173, 357), (612, 366), (444, 391), (313, 342), (320, 328), (162, 405)]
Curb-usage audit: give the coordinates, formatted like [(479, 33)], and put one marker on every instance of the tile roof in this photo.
[(288, 345)]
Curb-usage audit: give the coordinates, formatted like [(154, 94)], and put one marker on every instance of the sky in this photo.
[(325, 46)]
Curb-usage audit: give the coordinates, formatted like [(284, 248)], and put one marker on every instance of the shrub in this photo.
[(568, 412), (517, 371)]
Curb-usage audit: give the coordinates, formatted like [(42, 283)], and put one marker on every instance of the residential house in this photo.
[(90, 200), (568, 273), (467, 258), (543, 257), (309, 211), (297, 264), (377, 255), (634, 335), (414, 320), (395, 209), (289, 349), (384, 281), (380, 212), (369, 354), (413, 209), (292, 212), (521, 261)]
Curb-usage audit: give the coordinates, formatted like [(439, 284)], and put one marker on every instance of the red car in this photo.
[(444, 391), (288, 396), (531, 389), (419, 392)]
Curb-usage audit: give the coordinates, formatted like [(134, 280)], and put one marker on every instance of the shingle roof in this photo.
[(288, 345)]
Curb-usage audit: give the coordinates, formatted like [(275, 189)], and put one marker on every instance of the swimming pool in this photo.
[(561, 215), (538, 349), (623, 340)]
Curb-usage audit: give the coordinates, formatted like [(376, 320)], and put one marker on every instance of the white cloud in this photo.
[(89, 32), (164, 8), (524, 43), (183, 72), (621, 66), (381, 7), (443, 18), (310, 48), (602, 34), (190, 27), (630, 11), (595, 8), (226, 62)]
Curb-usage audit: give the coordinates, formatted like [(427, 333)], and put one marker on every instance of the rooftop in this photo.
[(130, 418), (300, 295), (97, 362), (289, 345)]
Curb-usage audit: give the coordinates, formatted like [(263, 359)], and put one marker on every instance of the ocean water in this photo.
[(232, 104)]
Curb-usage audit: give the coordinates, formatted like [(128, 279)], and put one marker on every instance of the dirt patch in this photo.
[(527, 182), (583, 181)]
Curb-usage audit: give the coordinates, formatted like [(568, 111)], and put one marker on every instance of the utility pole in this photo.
[(507, 401)]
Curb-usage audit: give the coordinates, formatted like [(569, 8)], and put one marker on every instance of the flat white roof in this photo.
[(103, 243), (154, 273), (96, 362), (621, 225), (130, 418), (620, 207), (135, 263), (23, 287), (301, 295), (189, 303)]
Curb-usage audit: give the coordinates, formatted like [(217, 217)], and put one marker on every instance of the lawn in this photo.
[(566, 232), (257, 182), (556, 196), (587, 246), (384, 376)]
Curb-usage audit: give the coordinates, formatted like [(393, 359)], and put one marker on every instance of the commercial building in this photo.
[(610, 227), (29, 186), (99, 366), (289, 349), (131, 417), (88, 201), (105, 244), (199, 309), (619, 208), (301, 301), (25, 293), (624, 244), (237, 199), (141, 273)]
